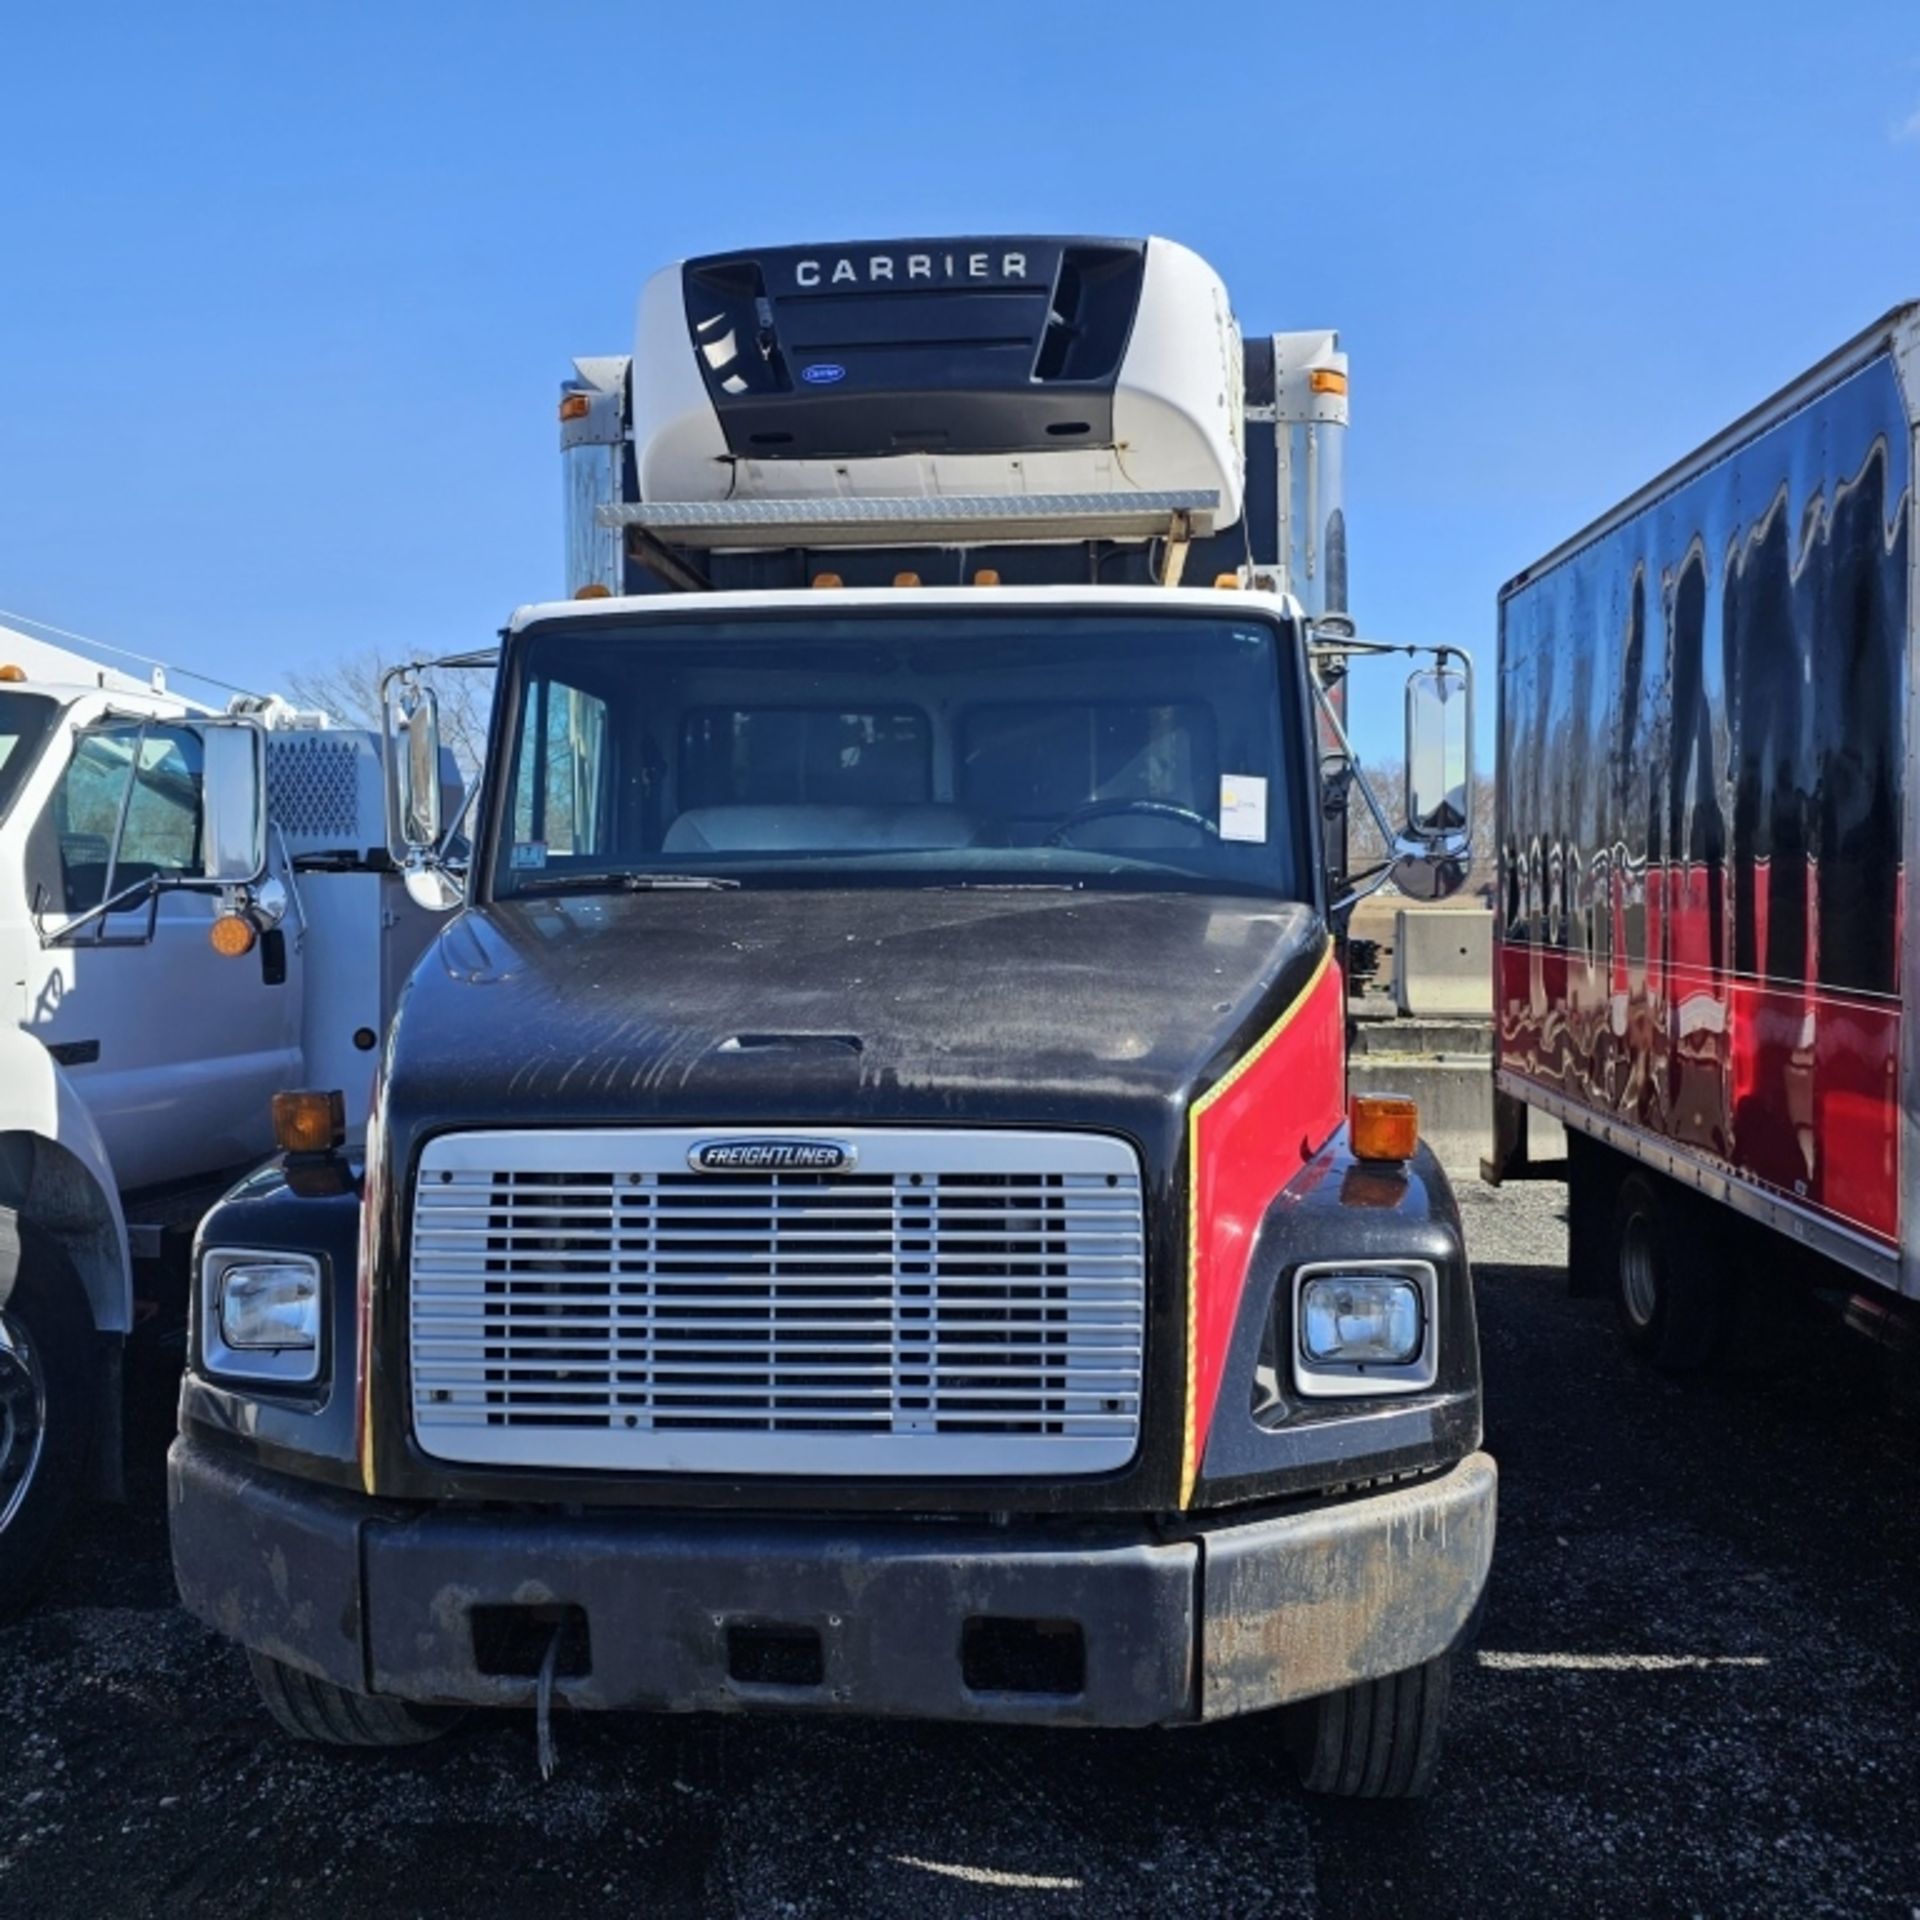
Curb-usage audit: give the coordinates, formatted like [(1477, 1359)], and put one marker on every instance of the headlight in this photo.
[(260, 1314), (1365, 1330), (1367, 1317)]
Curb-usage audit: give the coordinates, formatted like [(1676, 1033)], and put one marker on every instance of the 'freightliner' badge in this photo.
[(770, 1156)]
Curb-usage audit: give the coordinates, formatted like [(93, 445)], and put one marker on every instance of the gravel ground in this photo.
[(1695, 1694)]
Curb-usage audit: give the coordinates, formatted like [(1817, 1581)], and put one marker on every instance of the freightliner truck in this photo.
[(197, 908), (1706, 967), (861, 1211)]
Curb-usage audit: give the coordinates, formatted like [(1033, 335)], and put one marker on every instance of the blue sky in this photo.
[(285, 294)]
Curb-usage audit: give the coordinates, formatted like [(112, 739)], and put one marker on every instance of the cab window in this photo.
[(155, 776), (562, 782)]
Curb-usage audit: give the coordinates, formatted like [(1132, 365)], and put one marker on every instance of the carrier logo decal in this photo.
[(936, 267), (823, 373), (771, 1156)]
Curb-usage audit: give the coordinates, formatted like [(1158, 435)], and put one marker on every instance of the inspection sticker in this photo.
[(529, 853), (1243, 806)]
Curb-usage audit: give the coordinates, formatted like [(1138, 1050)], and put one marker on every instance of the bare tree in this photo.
[(349, 691)]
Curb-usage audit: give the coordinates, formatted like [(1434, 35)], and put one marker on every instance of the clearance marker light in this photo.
[(309, 1121), (232, 935), (986, 577), (1327, 380), (593, 590), (12, 672), (906, 579), (1384, 1126), (573, 406), (828, 581)]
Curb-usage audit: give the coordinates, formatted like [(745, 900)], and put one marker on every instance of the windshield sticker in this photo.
[(1243, 806), (533, 853)]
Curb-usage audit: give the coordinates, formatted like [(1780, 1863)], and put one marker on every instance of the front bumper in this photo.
[(1133, 1627)]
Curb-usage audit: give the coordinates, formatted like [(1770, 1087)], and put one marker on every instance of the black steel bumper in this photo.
[(1078, 1625)]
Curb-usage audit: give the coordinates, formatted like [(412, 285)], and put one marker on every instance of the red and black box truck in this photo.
[(1704, 964)]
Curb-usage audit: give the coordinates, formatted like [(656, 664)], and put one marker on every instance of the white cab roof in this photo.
[(667, 606)]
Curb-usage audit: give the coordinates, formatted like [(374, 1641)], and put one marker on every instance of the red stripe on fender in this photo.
[(1247, 1136)]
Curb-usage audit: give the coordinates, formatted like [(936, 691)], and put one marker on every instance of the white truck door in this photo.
[(175, 1049)]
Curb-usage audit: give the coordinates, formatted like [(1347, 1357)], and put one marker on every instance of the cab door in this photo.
[(175, 1049)]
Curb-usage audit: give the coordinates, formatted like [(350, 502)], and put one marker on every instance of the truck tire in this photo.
[(1378, 1740), (317, 1710), (1671, 1288), (46, 1413), (1594, 1173)]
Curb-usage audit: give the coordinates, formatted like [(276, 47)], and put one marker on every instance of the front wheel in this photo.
[(330, 1716), (46, 1404), (1377, 1740)]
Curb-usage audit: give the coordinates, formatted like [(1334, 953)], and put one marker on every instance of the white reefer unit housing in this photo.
[(948, 368), (1031, 409)]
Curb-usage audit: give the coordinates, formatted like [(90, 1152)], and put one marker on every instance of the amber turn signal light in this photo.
[(1327, 380), (309, 1121), (1384, 1126), (232, 935), (574, 406)]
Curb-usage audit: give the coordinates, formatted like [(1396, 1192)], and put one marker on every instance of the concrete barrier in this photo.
[(1447, 1066), (1443, 964)]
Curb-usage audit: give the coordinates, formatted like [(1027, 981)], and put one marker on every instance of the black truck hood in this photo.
[(1103, 1012), (988, 1007)]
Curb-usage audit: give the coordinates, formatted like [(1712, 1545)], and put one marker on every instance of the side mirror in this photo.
[(1439, 755), (416, 806), (233, 789), (1436, 846), (413, 743)]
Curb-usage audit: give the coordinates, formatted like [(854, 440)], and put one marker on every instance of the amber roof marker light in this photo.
[(310, 1120), (1383, 1126)]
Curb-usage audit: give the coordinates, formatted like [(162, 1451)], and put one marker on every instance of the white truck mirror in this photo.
[(233, 846)]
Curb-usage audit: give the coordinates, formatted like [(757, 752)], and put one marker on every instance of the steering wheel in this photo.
[(1151, 809)]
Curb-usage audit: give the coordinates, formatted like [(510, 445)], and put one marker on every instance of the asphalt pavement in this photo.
[(1695, 1693)]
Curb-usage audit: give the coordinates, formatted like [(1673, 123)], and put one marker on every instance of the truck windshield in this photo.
[(1133, 750), (25, 719)]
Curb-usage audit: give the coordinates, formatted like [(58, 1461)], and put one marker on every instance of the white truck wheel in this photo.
[(46, 1406)]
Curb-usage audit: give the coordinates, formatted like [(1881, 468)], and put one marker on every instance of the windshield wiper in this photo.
[(623, 883)]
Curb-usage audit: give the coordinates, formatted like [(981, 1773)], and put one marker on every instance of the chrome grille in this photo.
[(957, 1303)]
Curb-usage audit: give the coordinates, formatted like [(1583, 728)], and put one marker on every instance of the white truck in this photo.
[(195, 913)]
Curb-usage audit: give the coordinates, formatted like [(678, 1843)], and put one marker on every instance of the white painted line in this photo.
[(1617, 1662), (994, 1876)]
